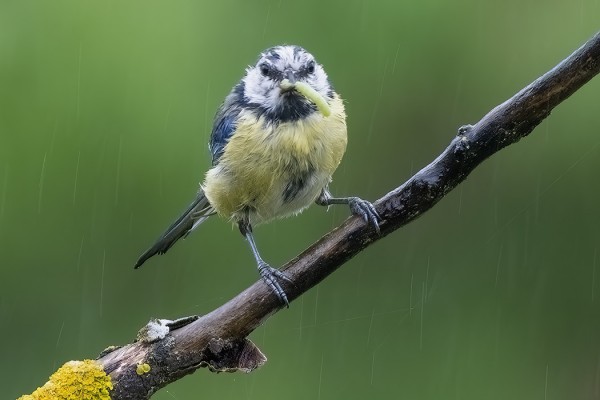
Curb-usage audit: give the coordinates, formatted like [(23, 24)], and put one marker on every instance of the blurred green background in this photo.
[(105, 112)]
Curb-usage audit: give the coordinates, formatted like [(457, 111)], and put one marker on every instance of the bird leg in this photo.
[(358, 206), (268, 273)]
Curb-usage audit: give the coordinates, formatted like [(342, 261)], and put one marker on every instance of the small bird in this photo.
[(275, 143)]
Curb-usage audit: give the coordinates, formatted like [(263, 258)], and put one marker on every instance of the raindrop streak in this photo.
[(377, 101), (372, 368), (266, 22), (597, 380), (536, 206), (359, 317), (170, 394), (131, 223), (93, 215), (546, 384), (102, 281), (370, 326), (457, 96), (547, 188), (427, 278), (498, 266), (301, 314), (168, 116), (496, 220), (118, 170), (460, 199), (264, 335), (320, 377), (54, 129), (165, 160), (316, 304), (422, 308), (160, 183), (80, 252), (41, 184), (76, 176), (78, 80), (4, 186), (207, 128), (594, 272), (60, 333), (396, 58), (410, 306)]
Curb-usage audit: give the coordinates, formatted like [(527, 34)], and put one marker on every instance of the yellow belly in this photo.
[(271, 171)]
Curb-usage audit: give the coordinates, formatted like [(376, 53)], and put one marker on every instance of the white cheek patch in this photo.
[(260, 90), (319, 81)]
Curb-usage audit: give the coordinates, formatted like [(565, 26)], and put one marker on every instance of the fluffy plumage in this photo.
[(270, 170), (273, 153)]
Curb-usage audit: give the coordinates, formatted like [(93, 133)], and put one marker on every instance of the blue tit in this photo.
[(274, 150)]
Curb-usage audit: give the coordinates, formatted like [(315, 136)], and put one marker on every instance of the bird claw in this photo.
[(366, 211), (270, 276)]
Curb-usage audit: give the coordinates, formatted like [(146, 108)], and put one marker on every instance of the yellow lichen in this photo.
[(74, 381), (142, 369)]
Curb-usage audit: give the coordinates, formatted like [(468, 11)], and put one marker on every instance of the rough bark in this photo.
[(218, 339)]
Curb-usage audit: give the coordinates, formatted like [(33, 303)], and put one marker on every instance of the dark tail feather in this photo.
[(196, 213)]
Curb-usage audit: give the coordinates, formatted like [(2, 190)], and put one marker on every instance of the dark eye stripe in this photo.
[(265, 69)]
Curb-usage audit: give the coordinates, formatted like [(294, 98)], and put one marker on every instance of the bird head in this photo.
[(270, 84)]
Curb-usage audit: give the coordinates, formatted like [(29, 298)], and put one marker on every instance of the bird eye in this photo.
[(311, 67), (264, 70)]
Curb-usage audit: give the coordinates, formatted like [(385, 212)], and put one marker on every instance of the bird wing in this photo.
[(225, 122)]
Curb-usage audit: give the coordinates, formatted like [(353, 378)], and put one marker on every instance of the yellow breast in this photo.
[(272, 171)]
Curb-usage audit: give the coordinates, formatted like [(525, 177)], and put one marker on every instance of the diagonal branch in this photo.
[(218, 339)]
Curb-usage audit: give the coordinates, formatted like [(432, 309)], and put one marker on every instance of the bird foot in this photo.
[(271, 275), (365, 210)]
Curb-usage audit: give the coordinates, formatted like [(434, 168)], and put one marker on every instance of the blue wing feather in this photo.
[(225, 122), (222, 131)]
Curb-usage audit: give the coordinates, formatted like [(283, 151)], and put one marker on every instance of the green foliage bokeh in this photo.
[(105, 112)]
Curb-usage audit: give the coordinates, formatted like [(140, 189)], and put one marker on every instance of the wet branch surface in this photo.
[(218, 340)]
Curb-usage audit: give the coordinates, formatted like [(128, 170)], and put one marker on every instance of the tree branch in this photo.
[(218, 339)]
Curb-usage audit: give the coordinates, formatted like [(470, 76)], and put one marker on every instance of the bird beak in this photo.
[(289, 75), (288, 82)]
